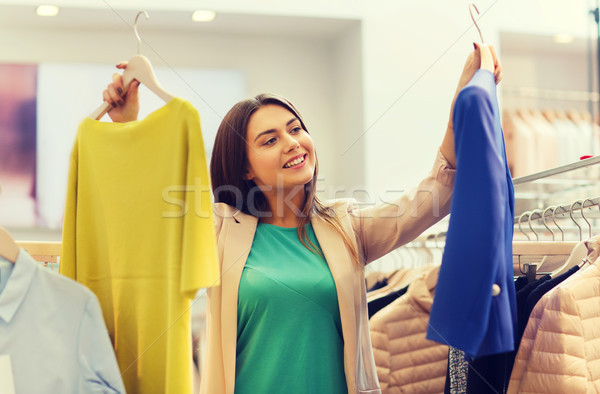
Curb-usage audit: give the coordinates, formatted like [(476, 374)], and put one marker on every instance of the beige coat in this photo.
[(560, 349), (377, 231), (406, 361)]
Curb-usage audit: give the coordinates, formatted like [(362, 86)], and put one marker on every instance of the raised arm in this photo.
[(385, 227)]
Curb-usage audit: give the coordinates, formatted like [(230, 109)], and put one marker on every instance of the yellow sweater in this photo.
[(139, 232)]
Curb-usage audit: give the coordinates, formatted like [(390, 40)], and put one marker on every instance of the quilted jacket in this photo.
[(407, 362), (560, 349)]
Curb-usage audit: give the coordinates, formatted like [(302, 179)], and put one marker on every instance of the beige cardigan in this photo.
[(377, 231)]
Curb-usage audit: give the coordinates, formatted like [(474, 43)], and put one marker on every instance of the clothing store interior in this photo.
[(123, 270)]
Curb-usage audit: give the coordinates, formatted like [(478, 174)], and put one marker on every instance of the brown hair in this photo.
[(229, 162)]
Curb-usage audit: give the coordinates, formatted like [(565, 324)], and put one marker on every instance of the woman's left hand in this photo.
[(483, 56)]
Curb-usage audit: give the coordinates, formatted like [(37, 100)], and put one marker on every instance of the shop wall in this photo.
[(297, 68), (413, 56), (376, 98)]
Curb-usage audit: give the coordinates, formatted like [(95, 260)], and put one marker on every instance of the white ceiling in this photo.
[(14, 16)]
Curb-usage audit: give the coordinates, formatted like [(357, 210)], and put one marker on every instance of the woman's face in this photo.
[(280, 153)]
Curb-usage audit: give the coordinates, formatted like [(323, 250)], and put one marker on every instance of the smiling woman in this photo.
[(290, 313), (250, 166)]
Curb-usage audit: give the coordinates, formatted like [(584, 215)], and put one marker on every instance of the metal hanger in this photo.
[(544, 220), (471, 7), (584, 218), (537, 238), (575, 221), (519, 224), (135, 30), (562, 233)]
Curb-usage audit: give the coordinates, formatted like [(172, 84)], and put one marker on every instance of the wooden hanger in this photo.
[(544, 248), (140, 69), (8, 248)]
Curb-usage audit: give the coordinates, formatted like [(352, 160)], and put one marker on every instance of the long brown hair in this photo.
[(229, 163)]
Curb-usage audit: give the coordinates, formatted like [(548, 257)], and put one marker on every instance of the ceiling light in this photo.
[(47, 10), (563, 38), (203, 16)]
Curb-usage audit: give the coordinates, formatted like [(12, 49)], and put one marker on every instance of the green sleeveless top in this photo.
[(289, 333)]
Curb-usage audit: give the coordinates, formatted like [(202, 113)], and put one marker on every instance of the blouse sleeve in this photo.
[(97, 362)]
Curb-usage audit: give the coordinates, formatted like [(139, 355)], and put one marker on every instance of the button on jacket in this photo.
[(52, 329), (377, 230), (478, 251)]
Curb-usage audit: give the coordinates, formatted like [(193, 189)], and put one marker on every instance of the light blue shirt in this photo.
[(52, 329)]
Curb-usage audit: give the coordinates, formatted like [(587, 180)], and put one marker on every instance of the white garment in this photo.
[(547, 143), (520, 142)]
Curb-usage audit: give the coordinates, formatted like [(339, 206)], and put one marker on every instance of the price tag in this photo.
[(7, 384)]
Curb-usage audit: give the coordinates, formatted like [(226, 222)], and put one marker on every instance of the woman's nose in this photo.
[(291, 143)]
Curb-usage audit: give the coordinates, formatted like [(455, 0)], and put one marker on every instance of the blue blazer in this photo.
[(478, 252)]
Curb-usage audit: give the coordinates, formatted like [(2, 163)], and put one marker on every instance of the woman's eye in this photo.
[(296, 130), (270, 141)]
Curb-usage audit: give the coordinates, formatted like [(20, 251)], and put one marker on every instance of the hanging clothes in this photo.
[(52, 329), (537, 293), (522, 158), (465, 314), (558, 352), (139, 233), (377, 285), (488, 373), (406, 361), (458, 369), (378, 304)]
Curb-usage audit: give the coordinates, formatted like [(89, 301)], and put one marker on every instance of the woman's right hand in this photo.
[(125, 107)]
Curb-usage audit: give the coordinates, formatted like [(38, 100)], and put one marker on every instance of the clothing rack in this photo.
[(47, 253), (522, 248), (557, 170), (554, 248), (541, 214)]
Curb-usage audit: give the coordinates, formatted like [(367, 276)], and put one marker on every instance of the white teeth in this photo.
[(295, 162)]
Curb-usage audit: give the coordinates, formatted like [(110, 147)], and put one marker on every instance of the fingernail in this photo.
[(119, 90), (113, 105), (474, 45), (120, 102)]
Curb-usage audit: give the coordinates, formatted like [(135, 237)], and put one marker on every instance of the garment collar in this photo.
[(17, 286)]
